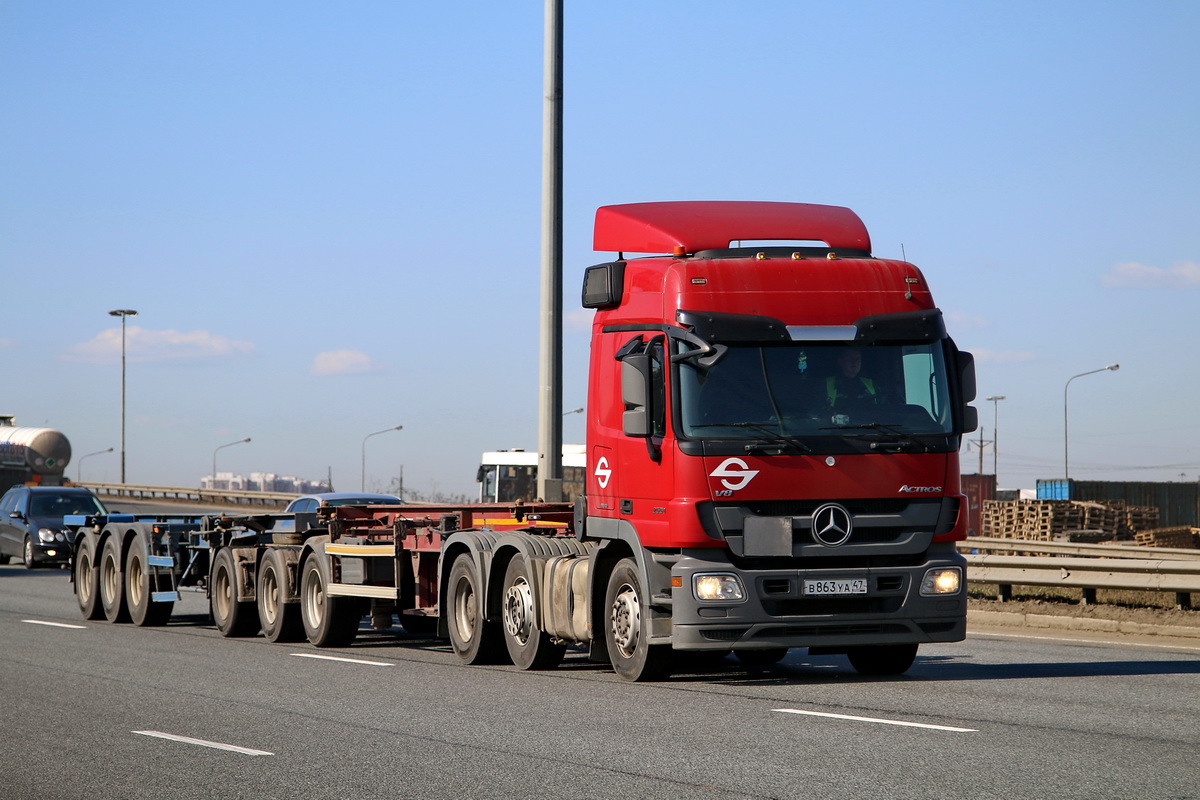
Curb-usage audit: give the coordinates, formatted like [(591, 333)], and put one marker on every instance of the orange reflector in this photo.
[(676, 582)]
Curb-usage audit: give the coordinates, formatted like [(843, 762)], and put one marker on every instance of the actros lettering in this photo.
[(906, 489)]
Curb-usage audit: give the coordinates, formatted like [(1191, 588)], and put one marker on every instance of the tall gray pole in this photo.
[(1066, 452), (550, 362), (122, 313)]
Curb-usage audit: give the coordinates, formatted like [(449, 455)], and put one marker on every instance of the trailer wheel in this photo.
[(761, 658), (883, 659), (280, 620), (625, 631), (112, 587), (231, 617), (475, 640), (529, 647), (328, 621), (87, 580), (139, 583)]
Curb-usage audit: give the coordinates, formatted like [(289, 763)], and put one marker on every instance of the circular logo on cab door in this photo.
[(737, 470), (832, 524)]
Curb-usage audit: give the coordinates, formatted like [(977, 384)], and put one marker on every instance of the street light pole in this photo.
[(122, 313), (222, 447), (1066, 458), (362, 486), (79, 467), (995, 433)]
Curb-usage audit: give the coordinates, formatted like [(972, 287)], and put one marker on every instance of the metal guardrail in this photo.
[(208, 497), (1083, 566)]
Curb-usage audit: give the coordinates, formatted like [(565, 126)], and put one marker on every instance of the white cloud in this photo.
[(142, 345), (961, 321), (1001, 356), (579, 319), (1130, 274), (342, 362)]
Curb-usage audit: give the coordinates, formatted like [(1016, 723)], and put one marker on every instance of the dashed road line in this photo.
[(345, 660), (233, 748), (54, 624), (876, 721)]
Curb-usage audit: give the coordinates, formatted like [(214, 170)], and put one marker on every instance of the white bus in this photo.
[(505, 476)]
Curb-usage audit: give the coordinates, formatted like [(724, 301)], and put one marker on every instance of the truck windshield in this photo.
[(818, 390)]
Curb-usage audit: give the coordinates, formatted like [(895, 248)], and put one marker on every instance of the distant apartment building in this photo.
[(261, 482)]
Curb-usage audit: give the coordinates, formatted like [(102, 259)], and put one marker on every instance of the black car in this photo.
[(31, 522)]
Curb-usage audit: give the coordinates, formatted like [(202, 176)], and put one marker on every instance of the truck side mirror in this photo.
[(966, 381), (635, 394)]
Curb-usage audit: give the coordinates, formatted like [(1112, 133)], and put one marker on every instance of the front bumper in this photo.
[(776, 613)]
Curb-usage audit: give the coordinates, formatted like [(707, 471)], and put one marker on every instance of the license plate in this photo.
[(853, 586)]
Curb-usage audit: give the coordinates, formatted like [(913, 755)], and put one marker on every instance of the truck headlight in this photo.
[(942, 580), (718, 587)]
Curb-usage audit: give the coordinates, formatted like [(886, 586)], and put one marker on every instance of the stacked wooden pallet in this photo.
[(1180, 536), (1039, 520), (1141, 518)]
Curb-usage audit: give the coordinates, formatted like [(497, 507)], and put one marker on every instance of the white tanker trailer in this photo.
[(28, 454)]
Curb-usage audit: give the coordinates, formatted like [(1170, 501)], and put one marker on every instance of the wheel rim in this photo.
[(518, 611), (314, 599), (108, 578), (83, 576), (137, 574), (270, 595), (466, 609), (222, 593), (626, 620)]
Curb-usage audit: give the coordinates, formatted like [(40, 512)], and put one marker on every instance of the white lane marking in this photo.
[(54, 624), (346, 660), (876, 721), (233, 748), (1081, 640)]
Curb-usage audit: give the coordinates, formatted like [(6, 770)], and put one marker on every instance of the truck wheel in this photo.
[(625, 631), (883, 659), (475, 640), (328, 621), (139, 583), (87, 580), (280, 620), (112, 587), (231, 617), (27, 554), (761, 658), (529, 647)]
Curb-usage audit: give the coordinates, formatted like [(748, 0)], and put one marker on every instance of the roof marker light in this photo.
[(832, 256)]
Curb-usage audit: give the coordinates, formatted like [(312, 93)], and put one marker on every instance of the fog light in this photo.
[(942, 581), (717, 587)]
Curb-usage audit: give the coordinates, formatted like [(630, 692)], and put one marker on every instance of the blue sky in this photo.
[(327, 214)]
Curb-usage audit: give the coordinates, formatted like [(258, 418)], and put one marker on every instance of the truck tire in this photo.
[(882, 659), (328, 621), (474, 639), (280, 620), (139, 583), (87, 579), (625, 631), (528, 646), (112, 583), (232, 618)]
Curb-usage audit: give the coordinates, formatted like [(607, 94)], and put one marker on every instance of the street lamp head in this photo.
[(1113, 367), (122, 312), (995, 397)]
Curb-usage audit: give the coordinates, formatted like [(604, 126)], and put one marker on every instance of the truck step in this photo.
[(160, 561), (164, 597)]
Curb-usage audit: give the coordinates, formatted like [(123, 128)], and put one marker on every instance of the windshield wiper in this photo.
[(904, 439), (775, 435), (763, 428)]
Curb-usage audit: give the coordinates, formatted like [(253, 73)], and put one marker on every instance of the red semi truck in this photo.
[(772, 463)]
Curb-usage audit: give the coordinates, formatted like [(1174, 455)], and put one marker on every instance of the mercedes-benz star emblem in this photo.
[(831, 525)]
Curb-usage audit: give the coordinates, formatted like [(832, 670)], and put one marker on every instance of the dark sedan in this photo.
[(31, 522)]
